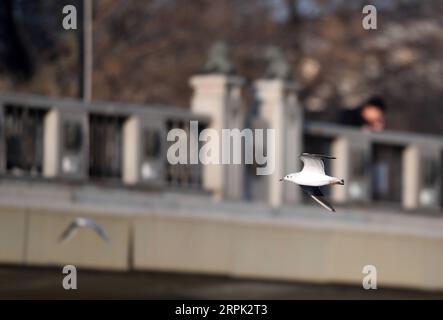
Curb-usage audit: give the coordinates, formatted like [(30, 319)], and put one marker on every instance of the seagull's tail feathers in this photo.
[(337, 181)]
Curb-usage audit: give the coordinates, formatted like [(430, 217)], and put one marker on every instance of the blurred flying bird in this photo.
[(72, 229), (312, 176)]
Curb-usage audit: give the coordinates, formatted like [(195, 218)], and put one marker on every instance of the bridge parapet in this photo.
[(388, 167), (70, 141), (67, 140)]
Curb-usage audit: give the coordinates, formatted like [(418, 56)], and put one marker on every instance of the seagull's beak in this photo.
[(281, 179)]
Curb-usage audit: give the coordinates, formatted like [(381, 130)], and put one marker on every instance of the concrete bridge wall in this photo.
[(294, 244)]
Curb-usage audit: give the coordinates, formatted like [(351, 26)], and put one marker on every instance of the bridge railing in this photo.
[(125, 144), (389, 167), (114, 143)]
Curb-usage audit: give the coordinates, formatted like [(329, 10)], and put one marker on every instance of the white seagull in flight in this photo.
[(71, 230), (313, 176)]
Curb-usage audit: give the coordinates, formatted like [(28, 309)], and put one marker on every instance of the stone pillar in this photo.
[(352, 165), (411, 179), (421, 176), (131, 150), (51, 144), (279, 107), (219, 97), (144, 140)]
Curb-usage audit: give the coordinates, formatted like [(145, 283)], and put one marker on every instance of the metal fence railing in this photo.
[(23, 139), (67, 139), (387, 167)]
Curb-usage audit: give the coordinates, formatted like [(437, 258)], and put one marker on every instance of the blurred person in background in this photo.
[(370, 115)]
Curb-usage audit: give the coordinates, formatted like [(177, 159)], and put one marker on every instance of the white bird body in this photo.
[(313, 176), (312, 179)]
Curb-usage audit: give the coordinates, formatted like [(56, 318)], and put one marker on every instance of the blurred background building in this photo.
[(83, 123)]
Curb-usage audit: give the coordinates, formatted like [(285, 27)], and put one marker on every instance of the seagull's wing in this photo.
[(316, 194), (320, 156), (100, 231), (69, 232), (312, 164), (84, 223)]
